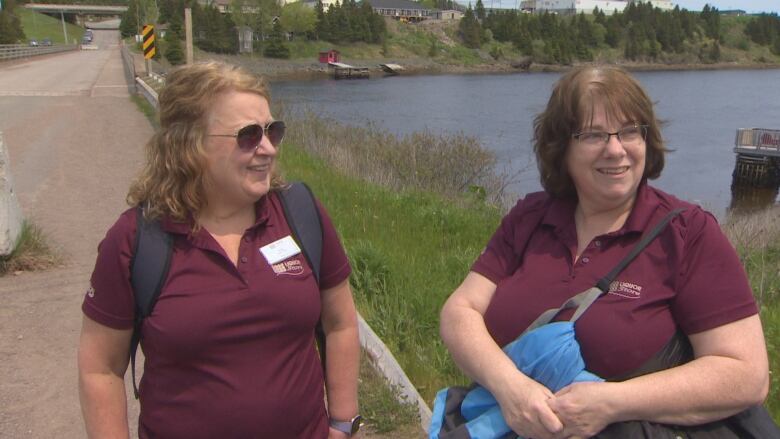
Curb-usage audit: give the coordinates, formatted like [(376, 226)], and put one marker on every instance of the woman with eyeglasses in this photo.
[(229, 345), (597, 144)]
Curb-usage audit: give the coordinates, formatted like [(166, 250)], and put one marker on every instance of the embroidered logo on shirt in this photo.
[(625, 289), (91, 292), (292, 267)]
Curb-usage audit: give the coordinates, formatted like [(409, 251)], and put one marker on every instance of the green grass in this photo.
[(757, 239), (31, 253), (147, 109), (379, 404), (39, 26), (409, 250)]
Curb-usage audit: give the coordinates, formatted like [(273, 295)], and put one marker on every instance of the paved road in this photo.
[(75, 141)]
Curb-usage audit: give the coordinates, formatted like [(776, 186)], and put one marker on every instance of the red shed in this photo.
[(329, 56)]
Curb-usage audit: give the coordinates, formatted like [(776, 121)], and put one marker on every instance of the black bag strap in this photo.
[(585, 299), (303, 217), (148, 270), (304, 221), (154, 248)]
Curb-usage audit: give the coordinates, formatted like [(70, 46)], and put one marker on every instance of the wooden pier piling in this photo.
[(758, 157)]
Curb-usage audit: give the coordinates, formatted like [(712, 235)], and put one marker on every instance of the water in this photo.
[(702, 109)]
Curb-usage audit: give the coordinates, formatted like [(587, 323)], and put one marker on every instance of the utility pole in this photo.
[(188, 34), (64, 28)]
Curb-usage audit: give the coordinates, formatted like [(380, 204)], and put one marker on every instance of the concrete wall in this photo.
[(10, 212)]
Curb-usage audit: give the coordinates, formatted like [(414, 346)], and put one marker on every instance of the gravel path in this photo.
[(75, 142)]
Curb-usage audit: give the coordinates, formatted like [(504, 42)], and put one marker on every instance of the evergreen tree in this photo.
[(128, 26), (470, 30), (173, 49), (714, 55), (276, 47), (11, 31), (320, 28), (479, 10)]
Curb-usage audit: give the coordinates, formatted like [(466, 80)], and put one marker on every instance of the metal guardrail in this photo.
[(758, 141), (15, 51)]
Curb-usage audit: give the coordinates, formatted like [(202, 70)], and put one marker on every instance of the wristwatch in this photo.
[(349, 427)]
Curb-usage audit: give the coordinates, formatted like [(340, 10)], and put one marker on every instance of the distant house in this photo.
[(736, 12), (325, 3), (448, 14), (402, 10), (329, 56)]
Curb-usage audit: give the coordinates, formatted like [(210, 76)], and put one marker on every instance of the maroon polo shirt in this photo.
[(229, 350), (689, 278)]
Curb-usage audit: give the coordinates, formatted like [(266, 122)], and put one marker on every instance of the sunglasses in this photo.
[(249, 137)]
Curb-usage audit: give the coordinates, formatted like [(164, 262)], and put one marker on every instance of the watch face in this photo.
[(356, 424)]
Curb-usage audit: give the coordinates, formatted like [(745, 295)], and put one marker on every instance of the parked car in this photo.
[(46, 42), (33, 43)]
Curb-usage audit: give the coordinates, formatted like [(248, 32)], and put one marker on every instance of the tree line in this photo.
[(11, 31), (765, 31), (272, 25), (642, 32)]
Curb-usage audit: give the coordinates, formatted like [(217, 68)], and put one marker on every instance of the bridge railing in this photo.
[(14, 51)]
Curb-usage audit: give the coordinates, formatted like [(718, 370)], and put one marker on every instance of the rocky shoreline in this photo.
[(302, 70)]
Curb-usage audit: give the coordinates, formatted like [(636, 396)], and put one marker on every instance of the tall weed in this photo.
[(30, 254), (448, 165), (756, 236)]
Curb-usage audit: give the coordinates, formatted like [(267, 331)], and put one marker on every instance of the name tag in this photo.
[(280, 250)]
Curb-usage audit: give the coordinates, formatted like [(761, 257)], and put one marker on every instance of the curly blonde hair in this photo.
[(172, 182)]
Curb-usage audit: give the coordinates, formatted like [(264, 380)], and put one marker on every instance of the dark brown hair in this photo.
[(570, 110)]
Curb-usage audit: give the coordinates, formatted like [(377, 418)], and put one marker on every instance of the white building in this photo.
[(575, 6)]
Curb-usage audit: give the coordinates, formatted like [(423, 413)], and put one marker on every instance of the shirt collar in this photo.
[(262, 217), (560, 215)]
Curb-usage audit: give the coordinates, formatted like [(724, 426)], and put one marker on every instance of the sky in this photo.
[(751, 6)]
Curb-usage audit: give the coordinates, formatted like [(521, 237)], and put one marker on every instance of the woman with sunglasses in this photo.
[(229, 345), (597, 143)]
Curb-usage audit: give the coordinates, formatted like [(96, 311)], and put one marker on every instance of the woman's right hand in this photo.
[(524, 404)]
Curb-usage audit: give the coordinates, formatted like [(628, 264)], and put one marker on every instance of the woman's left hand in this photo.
[(336, 434), (582, 409)]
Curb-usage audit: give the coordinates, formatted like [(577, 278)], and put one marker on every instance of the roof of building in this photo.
[(396, 4)]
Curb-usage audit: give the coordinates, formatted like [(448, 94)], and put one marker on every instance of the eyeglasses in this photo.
[(630, 135), (249, 137)]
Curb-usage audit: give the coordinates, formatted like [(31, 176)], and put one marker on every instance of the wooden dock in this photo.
[(758, 157), (392, 69), (346, 71)]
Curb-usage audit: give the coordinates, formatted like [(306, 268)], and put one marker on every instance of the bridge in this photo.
[(77, 9)]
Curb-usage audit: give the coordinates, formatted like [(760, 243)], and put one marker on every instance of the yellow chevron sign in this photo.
[(148, 41)]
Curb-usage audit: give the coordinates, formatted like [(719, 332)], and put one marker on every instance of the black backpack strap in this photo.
[(304, 220), (603, 284), (585, 299), (148, 271), (303, 217)]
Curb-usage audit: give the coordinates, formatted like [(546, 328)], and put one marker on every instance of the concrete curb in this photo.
[(387, 365), (147, 92), (383, 359), (10, 211)]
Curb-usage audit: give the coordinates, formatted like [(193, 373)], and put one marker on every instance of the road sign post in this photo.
[(148, 46), (188, 33)]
